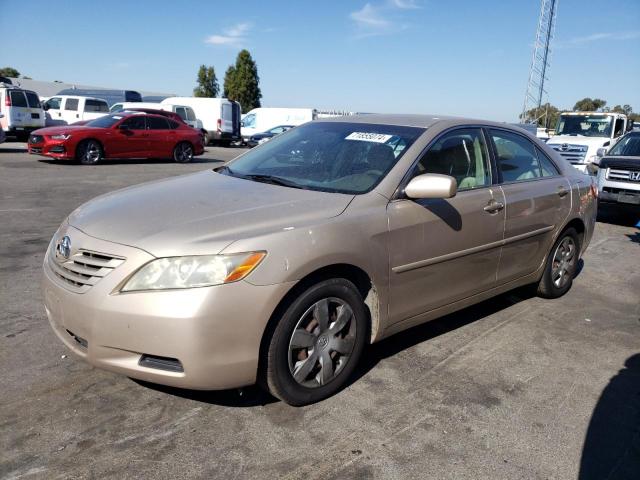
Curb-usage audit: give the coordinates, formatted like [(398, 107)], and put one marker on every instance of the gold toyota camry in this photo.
[(280, 266)]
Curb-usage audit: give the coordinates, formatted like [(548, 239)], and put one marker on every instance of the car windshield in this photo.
[(327, 156), (628, 146), (585, 125), (105, 122)]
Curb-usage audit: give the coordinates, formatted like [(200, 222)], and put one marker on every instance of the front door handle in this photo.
[(562, 191), (493, 206)]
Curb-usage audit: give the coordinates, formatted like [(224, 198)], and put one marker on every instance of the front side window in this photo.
[(53, 103), (182, 113), (461, 154), (191, 116), (17, 98), (619, 130), (71, 104), (546, 165), (516, 157), (628, 146), (327, 156), (136, 122), (249, 121), (157, 123), (116, 107), (96, 106)]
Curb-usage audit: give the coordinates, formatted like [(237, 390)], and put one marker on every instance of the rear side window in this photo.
[(71, 104), (96, 106), (517, 159), (17, 98), (32, 99), (173, 124), (548, 168), (157, 123), (191, 116)]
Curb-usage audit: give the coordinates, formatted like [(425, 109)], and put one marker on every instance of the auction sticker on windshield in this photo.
[(368, 137)]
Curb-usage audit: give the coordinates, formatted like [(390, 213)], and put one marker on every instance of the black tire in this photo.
[(280, 380), (89, 152), (183, 152), (206, 137), (550, 285)]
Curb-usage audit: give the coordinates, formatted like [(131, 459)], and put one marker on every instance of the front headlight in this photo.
[(192, 272), (62, 136)]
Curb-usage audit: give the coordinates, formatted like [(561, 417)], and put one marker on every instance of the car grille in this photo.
[(36, 139), (82, 270), (623, 175), (574, 153)]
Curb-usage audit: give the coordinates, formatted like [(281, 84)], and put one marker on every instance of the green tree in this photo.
[(242, 83), (626, 109), (544, 116), (589, 105), (207, 83), (9, 72)]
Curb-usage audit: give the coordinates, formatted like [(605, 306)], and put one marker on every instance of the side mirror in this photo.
[(45, 107), (431, 185), (601, 152), (242, 124)]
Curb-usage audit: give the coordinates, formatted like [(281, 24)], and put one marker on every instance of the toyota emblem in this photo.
[(63, 248)]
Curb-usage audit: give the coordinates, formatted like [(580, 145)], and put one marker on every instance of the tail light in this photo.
[(594, 190), (7, 99), (219, 124)]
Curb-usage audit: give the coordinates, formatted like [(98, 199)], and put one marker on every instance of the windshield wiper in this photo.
[(273, 180)]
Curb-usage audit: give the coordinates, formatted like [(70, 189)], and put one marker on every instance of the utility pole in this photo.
[(541, 57)]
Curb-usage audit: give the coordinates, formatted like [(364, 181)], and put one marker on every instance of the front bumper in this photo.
[(214, 333), (50, 148)]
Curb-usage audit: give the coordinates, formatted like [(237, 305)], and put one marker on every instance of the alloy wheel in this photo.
[(563, 260), (183, 153)]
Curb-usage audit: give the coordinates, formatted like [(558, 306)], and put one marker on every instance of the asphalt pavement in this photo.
[(515, 387)]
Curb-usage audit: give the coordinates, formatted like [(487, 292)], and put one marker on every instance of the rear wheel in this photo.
[(89, 152), (317, 343), (183, 152), (561, 267), (206, 136)]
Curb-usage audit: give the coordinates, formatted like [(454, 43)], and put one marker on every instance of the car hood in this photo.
[(620, 162), (201, 213), (578, 140), (64, 129)]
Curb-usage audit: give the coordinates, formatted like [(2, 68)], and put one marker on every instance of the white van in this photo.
[(260, 120), (185, 113), (68, 109), (220, 117), (21, 111)]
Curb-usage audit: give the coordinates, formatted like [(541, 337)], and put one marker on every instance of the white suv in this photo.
[(21, 110)]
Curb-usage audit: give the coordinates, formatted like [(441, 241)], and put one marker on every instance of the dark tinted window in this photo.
[(135, 123), (71, 104), (548, 167), (173, 124), (17, 98), (105, 122), (181, 111), (517, 159), (32, 99), (461, 154), (95, 106), (629, 145), (157, 123), (619, 129)]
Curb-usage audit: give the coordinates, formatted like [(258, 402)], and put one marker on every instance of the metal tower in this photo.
[(541, 56)]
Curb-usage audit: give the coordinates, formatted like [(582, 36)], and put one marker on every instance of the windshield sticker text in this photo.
[(368, 137)]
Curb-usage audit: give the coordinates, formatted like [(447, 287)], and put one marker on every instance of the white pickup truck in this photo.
[(69, 109), (579, 135)]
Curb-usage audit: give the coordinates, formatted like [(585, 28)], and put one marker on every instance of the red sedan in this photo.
[(119, 135)]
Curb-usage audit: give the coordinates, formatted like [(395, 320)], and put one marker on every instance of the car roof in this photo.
[(413, 120)]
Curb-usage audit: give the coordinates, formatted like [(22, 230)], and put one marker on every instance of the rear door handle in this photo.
[(562, 191), (494, 207)]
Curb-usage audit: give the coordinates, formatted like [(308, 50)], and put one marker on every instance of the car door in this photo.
[(53, 111), (130, 139), (161, 137), (538, 201), (444, 250), (70, 110)]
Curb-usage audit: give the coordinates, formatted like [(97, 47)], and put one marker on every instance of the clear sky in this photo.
[(457, 57)]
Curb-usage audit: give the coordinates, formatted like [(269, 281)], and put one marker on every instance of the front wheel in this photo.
[(317, 343), (561, 267), (183, 152), (89, 152)]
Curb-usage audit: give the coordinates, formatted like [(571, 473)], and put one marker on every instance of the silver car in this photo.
[(279, 267)]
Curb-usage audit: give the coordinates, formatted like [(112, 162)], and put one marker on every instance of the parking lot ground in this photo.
[(514, 388)]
